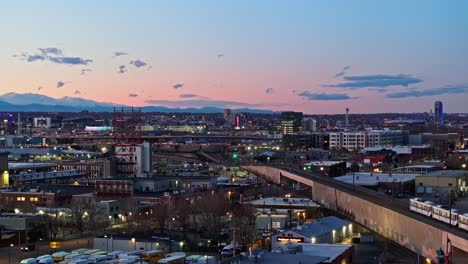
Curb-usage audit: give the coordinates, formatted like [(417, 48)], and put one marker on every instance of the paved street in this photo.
[(14, 255)]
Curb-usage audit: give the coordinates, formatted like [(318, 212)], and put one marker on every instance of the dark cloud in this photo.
[(122, 69), (343, 71), (70, 60), (37, 57), (269, 90), (138, 63), (52, 55), (324, 96), (220, 55), (53, 51), (178, 85), (377, 81), (448, 89), (188, 96), (200, 103), (119, 53), (193, 96), (84, 71), (60, 84), (132, 95)]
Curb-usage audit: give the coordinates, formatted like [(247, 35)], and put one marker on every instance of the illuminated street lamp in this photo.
[(181, 244), (9, 253), (134, 242)]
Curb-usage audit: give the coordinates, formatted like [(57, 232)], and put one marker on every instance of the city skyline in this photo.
[(305, 56)]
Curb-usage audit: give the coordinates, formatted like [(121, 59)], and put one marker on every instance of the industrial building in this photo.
[(442, 184)]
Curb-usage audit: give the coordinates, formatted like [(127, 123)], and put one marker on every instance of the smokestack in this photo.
[(347, 118)]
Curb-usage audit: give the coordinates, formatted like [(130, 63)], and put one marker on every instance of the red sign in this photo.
[(290, 239), (114, 187)]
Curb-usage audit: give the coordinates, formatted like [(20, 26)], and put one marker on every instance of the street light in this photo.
[(107, 242), (181, 244), (9, 253)]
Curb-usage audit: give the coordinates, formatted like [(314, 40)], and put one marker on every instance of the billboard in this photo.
[(114, 187)]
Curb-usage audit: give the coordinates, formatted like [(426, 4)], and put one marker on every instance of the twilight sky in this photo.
[(311, 56)]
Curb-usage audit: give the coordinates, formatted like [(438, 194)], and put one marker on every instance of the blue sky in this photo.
[(293, 49)]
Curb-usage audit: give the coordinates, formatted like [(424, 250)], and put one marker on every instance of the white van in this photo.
[(73, 256), (29, 261), (43, 256), (114, 254), (97, 259), (227, 251), (193, 259), (46, 261), (79, 261), (206, 260)]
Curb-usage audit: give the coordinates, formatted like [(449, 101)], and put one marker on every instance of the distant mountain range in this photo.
[(30, 102)]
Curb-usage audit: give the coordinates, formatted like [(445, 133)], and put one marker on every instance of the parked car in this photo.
[(28, 247)]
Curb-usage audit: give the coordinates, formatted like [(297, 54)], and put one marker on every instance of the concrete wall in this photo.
[(110, 244), (408, 232)]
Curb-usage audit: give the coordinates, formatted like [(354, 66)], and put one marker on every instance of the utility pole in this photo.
[(353, 183), (234, 240), (450, 208)]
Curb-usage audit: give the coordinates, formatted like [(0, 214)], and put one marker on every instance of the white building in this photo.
[(348, 140), (359, 140), (43, 122), (309, 124), (133, 160), (327, 230)]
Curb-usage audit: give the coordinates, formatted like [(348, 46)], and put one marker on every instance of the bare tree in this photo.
[(83, 212), (213, 210), (243, 222), (162, 215), (138, 224)]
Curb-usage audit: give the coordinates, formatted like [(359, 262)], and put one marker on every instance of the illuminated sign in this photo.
[(290, 239), (114, 187), (54, 245)]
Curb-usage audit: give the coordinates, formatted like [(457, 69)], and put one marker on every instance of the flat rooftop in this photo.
[(331, 251), (282, 258), (446, 173), (373, 179), (29, 165), (284, 201), (322, 163)]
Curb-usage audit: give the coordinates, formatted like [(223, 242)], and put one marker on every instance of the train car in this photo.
[(463, 221), (444, 215), (419, 206)]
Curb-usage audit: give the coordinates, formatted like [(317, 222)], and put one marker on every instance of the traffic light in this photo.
[(235, 155), (309, 167)]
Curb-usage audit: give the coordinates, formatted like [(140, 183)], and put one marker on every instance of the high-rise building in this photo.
[(227, 113), (309, 125), (438, 113), (238, 121), (291, 122)]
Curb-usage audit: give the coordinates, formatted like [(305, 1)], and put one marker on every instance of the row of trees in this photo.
[(209, 215), (81, 216)]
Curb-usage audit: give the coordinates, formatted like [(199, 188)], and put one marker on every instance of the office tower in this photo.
[(291, 122), (227, 114), (438, 113), (347, 117), (309, 125)]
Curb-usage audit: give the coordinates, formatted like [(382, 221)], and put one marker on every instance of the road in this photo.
[(14, 255)]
